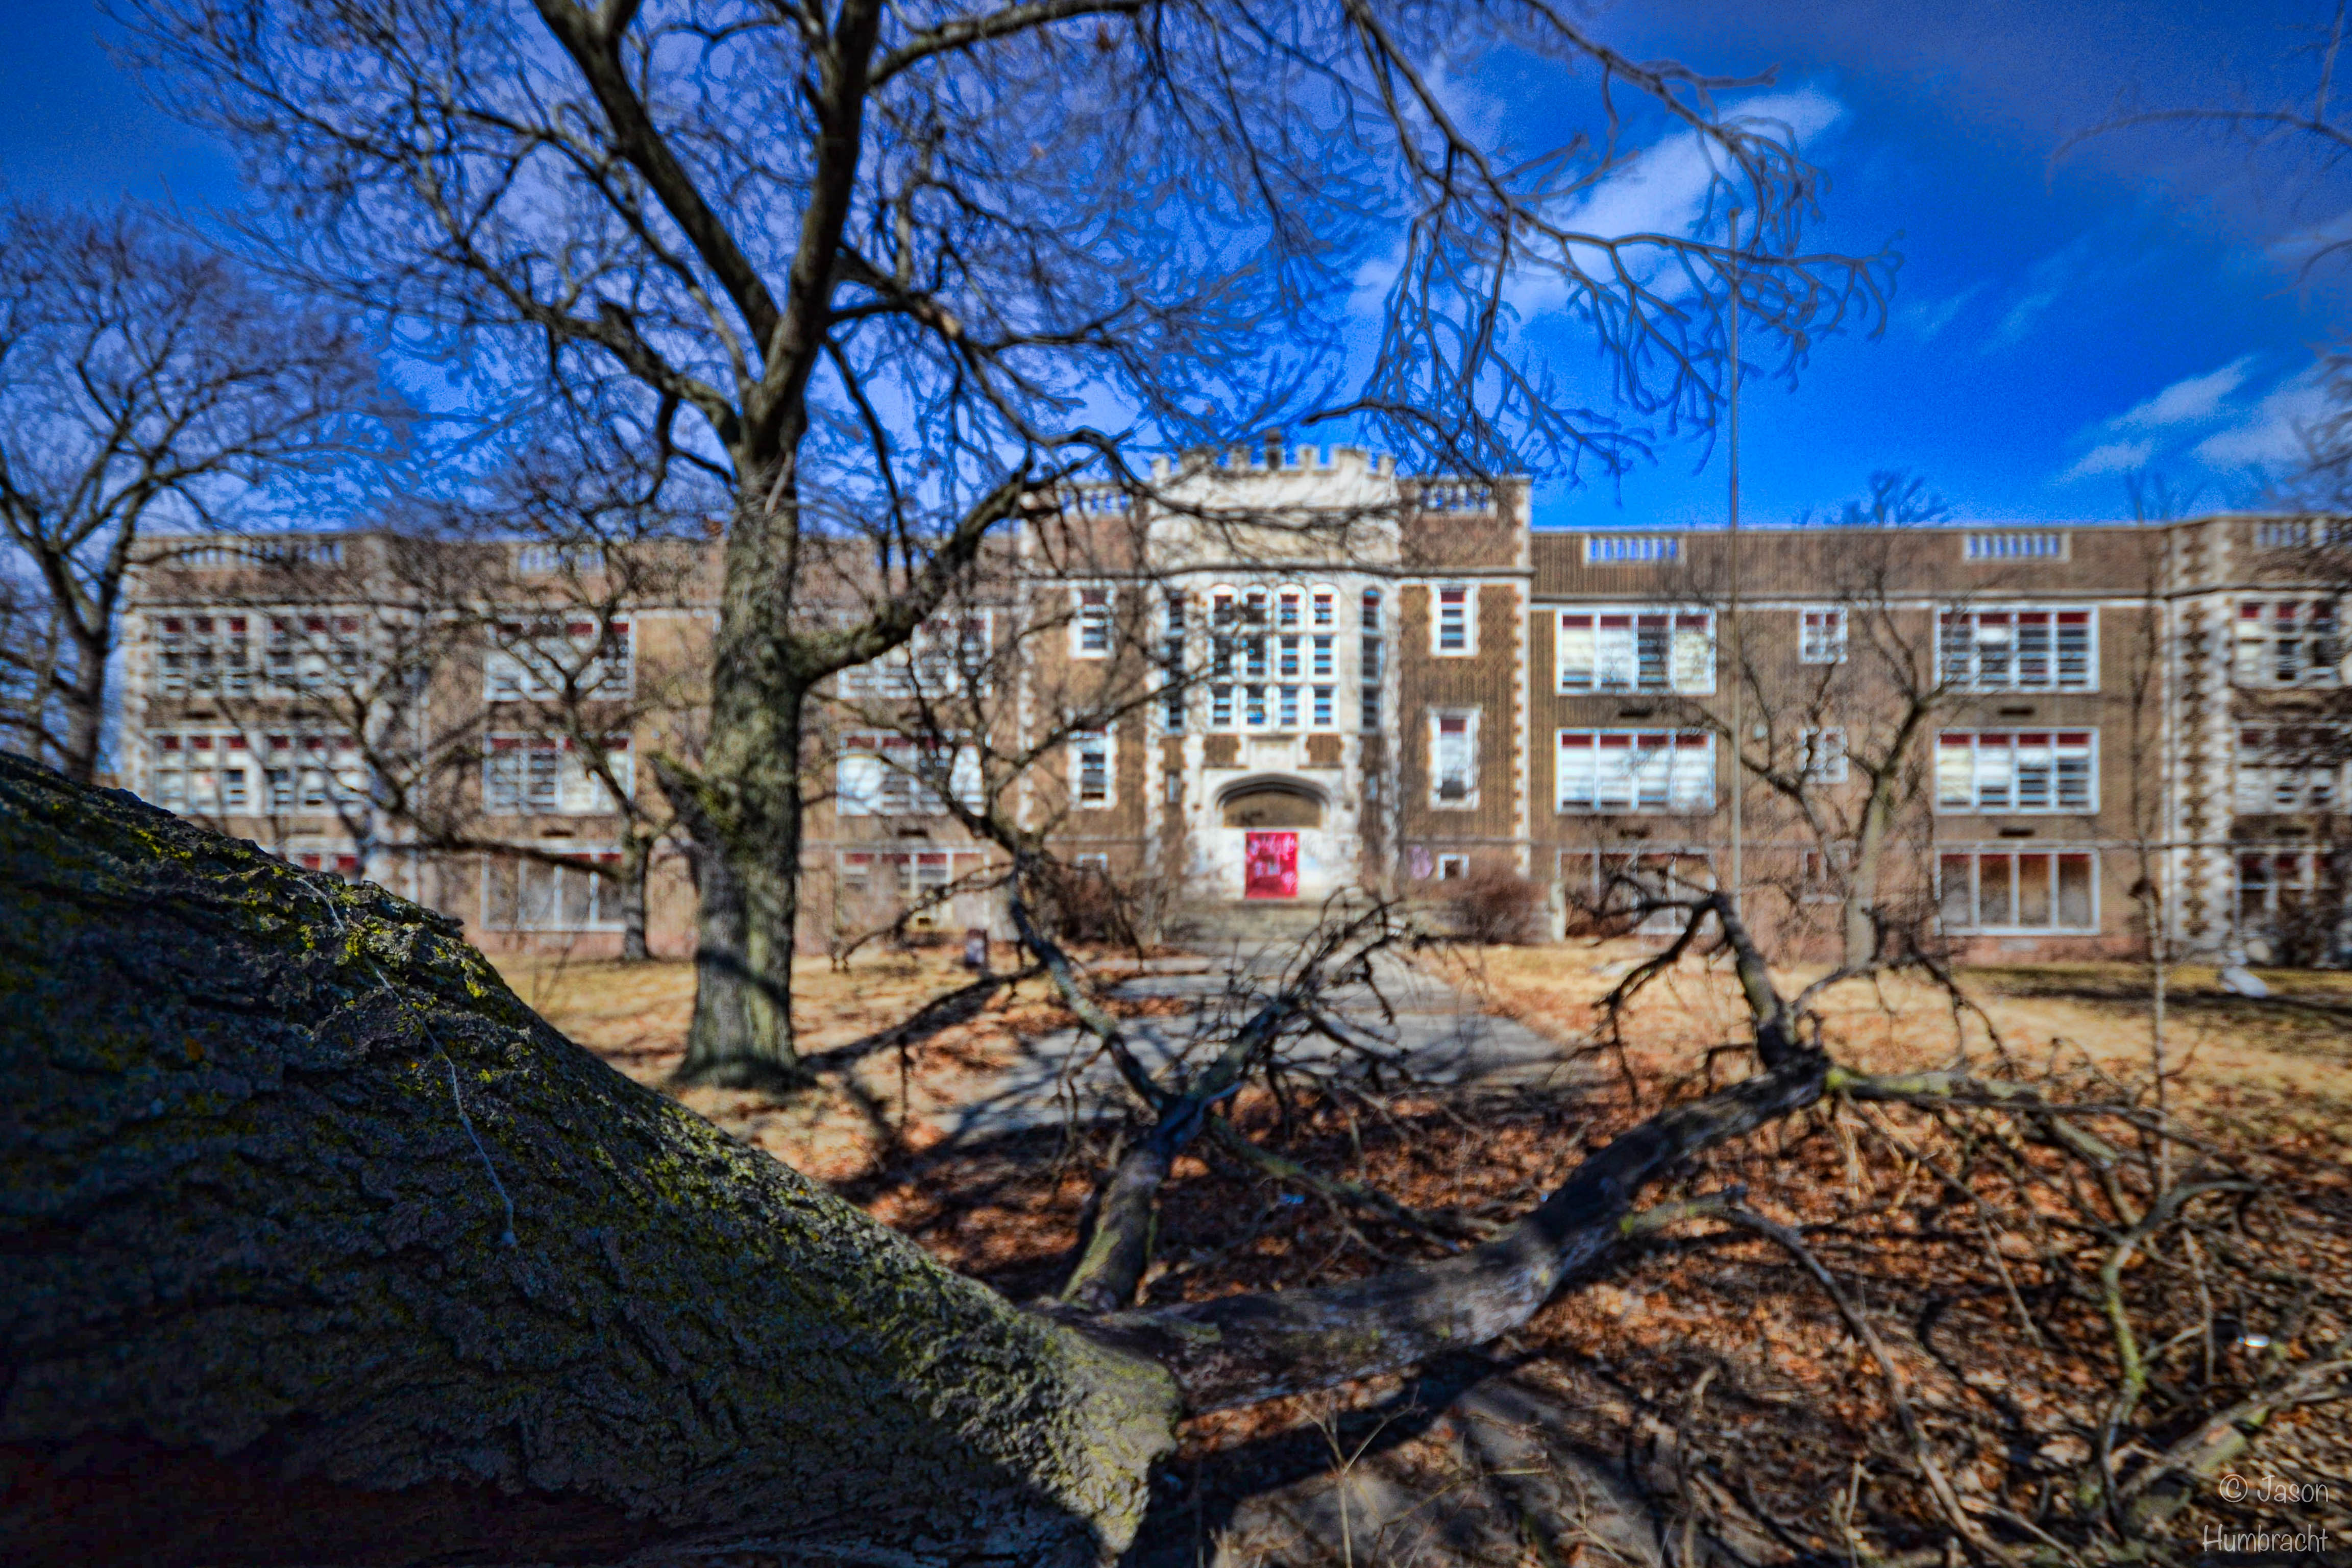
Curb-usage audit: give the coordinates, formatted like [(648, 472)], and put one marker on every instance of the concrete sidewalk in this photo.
[(1406, 1023)]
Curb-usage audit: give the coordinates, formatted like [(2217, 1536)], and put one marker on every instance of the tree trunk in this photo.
[(319, 1246), (747, 887), (637, 860), (85, 698)]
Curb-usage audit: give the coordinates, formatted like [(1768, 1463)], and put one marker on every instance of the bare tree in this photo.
[(886, 261), (1898, 499), (146, 379)]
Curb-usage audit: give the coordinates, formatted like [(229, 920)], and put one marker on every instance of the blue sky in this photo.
[(2053, 327)]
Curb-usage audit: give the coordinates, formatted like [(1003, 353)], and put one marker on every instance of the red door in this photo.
[(1270, 866)]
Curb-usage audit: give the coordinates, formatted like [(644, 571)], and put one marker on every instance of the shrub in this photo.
[(1494, 905)]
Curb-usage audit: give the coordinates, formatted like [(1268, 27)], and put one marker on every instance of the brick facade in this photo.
[(1554, 703)]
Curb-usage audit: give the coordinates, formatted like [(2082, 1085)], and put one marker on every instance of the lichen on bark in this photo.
[(256, 1303)]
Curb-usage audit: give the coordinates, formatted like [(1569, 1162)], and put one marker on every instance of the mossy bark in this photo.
[(257, 1303)]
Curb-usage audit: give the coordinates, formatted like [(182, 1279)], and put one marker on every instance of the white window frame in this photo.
[(1438, 719), (1439, 624), (1081, 743), (605, 659), (1821, 754), (1320, 715), (1596, 869), (1675, 796), (1963, 662), (2271, 779), (1977, 853), (574, 788), (869, 781), (1221, 706), (1822, 634), (1970, 762), (1092, 605), (2261, 634), (1596, 650), (947, 656), (1452, 868), (603, 902)]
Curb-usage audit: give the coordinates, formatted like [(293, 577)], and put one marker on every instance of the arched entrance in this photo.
[(1268, 814)]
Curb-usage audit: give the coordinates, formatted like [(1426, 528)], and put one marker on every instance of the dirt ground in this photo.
[(1700, 1372)]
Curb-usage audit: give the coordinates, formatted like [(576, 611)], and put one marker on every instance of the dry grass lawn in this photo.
[(2282, 1066), (1794, 1407), (635, 1016)]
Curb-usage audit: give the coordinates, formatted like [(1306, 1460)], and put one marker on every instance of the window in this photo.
[(2033, 649), (1615, 885), (213, 772), (2014, 546), (550, 775), (1322, 709), (537, 895), (1630, 650), (1286, 711), (890, 776), (1221, 707), (1171, 711), (2018, 890), (1288, 614), (1454, 757), (2294, 900), (946, 656), (1254, 658), (1092, 627), (202, 654), (1323, 606), (1175, 787), (1636, 770), (1091, 754), (543, 659), (1625, 549), (1454, 634), (1254, 707), (1452, 868), (2288, 642), (1289, 665), (1820, 877), (1821, 754), (1369, 675), (1321, 656), (2021, 769), (1094, 861), (1820, 637), (1371, 610), (2290, 769)]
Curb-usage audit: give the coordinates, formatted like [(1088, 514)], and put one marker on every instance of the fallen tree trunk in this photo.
[(258, 1302), (317, 1245)]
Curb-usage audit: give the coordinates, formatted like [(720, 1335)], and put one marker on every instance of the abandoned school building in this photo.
[(1435, 689)]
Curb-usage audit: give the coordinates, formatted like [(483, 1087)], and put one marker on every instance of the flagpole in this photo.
[(1738, 692)]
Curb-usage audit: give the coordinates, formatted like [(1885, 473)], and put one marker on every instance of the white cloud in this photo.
[(2270, 434), (2190, 401), (1664, 189), (1926, 318), (2113, 458)]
